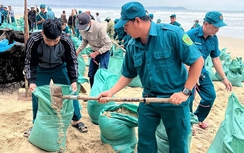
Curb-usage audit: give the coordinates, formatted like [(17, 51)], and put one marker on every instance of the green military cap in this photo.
[(42, 6), (215, 18), (173, 16), (129, 11)]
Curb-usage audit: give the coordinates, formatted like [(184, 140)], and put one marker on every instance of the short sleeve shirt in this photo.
[(208, 46), (160, 62)]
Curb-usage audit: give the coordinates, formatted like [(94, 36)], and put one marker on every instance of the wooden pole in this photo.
[(26, 37)]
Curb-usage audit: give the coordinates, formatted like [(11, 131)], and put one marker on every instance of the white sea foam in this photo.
[(234, 20)]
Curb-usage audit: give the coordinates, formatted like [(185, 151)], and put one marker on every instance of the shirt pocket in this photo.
[(163, 60), (207, 50), (138, 64)]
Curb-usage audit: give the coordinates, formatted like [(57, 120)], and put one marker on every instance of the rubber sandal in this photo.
[(81, 127)]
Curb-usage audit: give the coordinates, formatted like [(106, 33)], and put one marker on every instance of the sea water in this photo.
[(234, 19)]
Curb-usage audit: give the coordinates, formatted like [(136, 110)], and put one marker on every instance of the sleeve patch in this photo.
[(187, 40)]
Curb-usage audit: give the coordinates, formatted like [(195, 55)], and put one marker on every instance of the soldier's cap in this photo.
[(84, 20), (215, 18), (173, 16), (129, 11), (42, 6), (151, 16)]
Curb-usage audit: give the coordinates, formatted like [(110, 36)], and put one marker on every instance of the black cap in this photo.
[(83, 19)]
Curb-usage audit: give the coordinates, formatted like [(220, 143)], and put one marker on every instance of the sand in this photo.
[(16, 117)]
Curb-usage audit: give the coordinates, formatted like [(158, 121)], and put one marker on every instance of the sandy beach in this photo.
[(16, 117)]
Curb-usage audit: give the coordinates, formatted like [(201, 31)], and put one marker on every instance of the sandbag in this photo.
[(233, 143), (103, 80), (49, 129), (81, 64), (230, 135), (115, 65), (117, 125), (209, 68), (235, 73), (162, 138), (136, 82), (225, 66), (116, 51), (224, 56)]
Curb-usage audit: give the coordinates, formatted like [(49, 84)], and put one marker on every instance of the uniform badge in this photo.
[(187, 40)]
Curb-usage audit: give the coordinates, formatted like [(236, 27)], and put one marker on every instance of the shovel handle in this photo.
[(146, 100)]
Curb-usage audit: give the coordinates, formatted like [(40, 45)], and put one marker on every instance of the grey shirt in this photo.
[(96, 37), (50, 56)]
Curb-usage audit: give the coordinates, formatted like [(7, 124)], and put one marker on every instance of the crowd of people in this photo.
[(155, 52), (7, 14)]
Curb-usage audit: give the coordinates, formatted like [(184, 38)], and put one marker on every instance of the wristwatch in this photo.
[(186, 91)]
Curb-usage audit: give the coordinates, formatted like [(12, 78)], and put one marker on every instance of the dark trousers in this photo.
[(100, 61), (207, 94), (58, 75), (176, 120)]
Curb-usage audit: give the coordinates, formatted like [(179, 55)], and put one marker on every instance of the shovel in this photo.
[(57, 98)]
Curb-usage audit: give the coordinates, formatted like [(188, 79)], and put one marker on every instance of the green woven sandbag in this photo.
[(116, 51), (209, 68), (103, 80), (81, 65), (235, 78), (49, 129), (233, 143), (115, 65), (235, 73), (230, 135), (117, 125), (242, 75), (136, 82), (162, 138), (225, 66)]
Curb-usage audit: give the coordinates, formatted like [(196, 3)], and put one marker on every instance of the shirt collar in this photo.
[(200, 31), (152, 32)]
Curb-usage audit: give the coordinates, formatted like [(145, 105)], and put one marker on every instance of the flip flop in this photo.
[(81, 127), (203, 125), (27, 133)]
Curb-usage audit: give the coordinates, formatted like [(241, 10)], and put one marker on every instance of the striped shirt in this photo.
[(37, 55)]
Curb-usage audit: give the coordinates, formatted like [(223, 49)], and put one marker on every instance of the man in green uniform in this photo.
[(206, 41), (157, 53), (41, 17), (196, 24), (174, 22)]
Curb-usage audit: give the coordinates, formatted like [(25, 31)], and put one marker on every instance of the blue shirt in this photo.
[(177, 24), (208, 46), (160, 62)]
